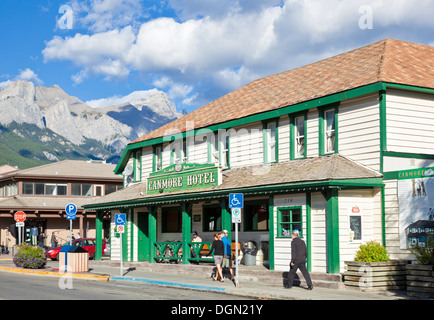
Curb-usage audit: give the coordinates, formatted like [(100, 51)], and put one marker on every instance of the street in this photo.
[(33, 287)]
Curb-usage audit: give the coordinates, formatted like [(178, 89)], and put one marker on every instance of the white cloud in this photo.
[(118, 100), (226, 43), (26, 74)]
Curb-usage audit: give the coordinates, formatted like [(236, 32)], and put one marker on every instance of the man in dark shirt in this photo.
[(298, 261)]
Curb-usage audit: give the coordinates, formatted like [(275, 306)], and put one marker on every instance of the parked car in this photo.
[(87, 244)]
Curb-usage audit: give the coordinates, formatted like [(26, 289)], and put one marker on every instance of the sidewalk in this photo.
[(109, 271)]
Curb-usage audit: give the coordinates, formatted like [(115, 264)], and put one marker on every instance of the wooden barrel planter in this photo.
[(375, 276), (420, 281)]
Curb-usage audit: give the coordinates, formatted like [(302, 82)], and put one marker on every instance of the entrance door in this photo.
[(143, 236)]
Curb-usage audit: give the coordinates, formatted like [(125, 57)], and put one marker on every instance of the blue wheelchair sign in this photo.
[(120, 219), (71, 210), (236, 200)]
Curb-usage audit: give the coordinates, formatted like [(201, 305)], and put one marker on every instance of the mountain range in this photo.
[(43, 124)]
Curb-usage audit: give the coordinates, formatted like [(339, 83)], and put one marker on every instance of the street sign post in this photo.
[(120, 222), (19, 217), (71, 211), (236, 203)]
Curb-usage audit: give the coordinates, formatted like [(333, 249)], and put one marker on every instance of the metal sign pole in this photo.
[(236, 255), (70, 232), (19, 235), (121, 257)]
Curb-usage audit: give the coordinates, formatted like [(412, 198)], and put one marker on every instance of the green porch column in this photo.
[(186, 232), (98, 235), (152, 230), (271, 233), (332, 223), (226, 217)]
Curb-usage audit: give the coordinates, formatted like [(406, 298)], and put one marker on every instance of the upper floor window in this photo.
[(137, 165), (178, 151), (48, 189), (79, 189), (270, 141), (157, 163), (328, 130), (298, 137)]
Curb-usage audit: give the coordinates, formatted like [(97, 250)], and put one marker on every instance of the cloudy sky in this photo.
[(194, 50)]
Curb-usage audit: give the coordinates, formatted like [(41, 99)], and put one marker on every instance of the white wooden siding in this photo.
[(410, 118), (283, 138), (359, 130), (318, 232), (245, 145), (312, 147), (198, 149), (147, 162)]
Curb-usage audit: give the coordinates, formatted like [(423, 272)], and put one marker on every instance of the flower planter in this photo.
[(420, 281), (375, 276)]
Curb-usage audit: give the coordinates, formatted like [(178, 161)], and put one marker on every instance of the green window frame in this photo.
[(328, 130), (289, 219), (270, 138), (157, 158), (137, 164), (298, 136)]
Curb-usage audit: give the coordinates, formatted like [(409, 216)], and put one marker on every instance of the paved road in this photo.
[(30, 287)]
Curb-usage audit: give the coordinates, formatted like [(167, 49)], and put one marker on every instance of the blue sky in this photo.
[(194, 50)]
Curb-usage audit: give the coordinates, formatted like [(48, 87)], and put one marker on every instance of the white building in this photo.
[(320, 149)]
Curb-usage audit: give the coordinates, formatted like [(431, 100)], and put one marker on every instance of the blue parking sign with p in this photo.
[(71, 210), (236, 200)]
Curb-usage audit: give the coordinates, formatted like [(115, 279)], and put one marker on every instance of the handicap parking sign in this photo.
[(236, 200), (120, 219)]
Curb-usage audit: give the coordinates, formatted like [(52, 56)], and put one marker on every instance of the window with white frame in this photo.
[(270, 141), (299, 137), (329, 131)]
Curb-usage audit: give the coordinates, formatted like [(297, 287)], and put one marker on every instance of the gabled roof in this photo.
[(69, 169), (304, 173), (389, 61)]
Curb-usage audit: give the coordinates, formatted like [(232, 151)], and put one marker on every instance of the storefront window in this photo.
[(212, 218), (256, 216), (289, 221), (171, 221)]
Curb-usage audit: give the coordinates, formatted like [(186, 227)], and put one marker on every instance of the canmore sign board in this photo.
[(183, 176)]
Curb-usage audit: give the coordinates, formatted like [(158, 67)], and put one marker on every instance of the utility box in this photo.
[(73, 259)]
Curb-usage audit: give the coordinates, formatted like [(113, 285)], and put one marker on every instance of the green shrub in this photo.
[(424, 255), (372, 251), (30, 257)]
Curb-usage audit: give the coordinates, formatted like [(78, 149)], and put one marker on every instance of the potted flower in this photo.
[(372, 269), (30, 257)]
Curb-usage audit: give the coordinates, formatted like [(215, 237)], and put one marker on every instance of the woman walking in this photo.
[(219, 251)]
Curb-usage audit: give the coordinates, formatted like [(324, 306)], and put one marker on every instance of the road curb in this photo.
[(172, 284), (57, 274)]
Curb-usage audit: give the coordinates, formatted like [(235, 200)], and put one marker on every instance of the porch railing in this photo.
[(172, 251)]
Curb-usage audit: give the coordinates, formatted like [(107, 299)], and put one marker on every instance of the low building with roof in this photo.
[(43, 192), (318, 149)]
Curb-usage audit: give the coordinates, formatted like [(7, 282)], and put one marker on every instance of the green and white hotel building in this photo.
[(326, 149)]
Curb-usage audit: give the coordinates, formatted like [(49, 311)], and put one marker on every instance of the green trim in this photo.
[(332, 222), (186, 232), (290, 223), (408, 88), (408, 155), (309, 230), (383, 127), (383, 215), (217, 194), (154, 157), (152, 227), (319, 102), (131, 234), (125, 239), (226, 217), (271, 233), (292, 131), (98, 235)]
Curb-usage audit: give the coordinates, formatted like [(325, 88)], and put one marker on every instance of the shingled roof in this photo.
[(389, 60)]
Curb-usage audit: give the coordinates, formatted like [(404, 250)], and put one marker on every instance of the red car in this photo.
[(87, 244)]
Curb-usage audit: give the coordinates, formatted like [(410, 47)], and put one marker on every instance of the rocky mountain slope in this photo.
[(98, 133)]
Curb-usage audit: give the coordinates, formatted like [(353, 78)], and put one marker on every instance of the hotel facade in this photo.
[(337, 150)]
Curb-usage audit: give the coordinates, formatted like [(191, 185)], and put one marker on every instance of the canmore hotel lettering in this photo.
[(200, 180)]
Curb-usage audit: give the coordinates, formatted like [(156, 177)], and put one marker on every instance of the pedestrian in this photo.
[(196, 238), (298, 261), (41, 238), (53, 240), (227, 258), (219, 251)]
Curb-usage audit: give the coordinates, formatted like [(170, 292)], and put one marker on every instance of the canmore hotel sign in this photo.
[(183, 176)]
